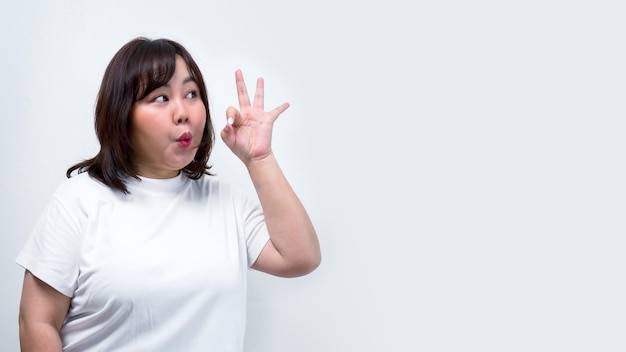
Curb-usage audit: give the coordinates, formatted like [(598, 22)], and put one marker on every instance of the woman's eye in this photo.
[(192, 94), (160, 99)]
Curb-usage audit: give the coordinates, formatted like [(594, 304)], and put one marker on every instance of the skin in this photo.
[(293, 249), (42, 312), (158, 121)]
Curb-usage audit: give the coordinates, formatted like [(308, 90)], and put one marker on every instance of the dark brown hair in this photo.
[(139, 67)]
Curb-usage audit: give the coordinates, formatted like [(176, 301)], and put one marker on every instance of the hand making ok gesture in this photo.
[(248, 131)]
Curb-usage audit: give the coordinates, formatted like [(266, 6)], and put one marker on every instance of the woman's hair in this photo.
[(139, 67)]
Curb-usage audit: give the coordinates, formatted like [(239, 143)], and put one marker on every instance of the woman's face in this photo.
[(167, 126)]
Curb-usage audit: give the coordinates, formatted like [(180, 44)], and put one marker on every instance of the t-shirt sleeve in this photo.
[(51, 253), (254, 227)]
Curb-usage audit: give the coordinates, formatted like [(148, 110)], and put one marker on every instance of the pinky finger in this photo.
[(279, 109)]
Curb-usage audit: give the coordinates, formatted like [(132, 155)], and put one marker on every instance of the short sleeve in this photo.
[(52, 251), (254, 227)]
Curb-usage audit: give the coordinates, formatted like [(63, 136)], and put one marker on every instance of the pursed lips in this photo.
[(184, 140)]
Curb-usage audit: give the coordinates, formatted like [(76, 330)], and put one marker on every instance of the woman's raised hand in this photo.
[(248, 130)]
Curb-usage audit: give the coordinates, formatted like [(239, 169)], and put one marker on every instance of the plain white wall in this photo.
[(463, 161)]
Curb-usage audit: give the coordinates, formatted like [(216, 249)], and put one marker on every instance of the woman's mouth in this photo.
[(184, 140)]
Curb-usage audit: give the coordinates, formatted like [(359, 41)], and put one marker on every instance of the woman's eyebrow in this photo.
[(189, 79), (185, 81)]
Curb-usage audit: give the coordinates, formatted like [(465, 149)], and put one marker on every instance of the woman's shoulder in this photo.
[(219, 190), (81, 186), (215, 188), (210, 185)]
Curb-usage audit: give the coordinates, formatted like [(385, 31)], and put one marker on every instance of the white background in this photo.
[(463, 161)]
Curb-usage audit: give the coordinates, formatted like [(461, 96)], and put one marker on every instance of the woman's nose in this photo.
[(181, 114)]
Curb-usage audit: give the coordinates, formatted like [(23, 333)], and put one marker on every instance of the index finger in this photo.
[(242, 91)]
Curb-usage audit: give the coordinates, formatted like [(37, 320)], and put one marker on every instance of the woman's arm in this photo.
[(293, 249), (42, 313)]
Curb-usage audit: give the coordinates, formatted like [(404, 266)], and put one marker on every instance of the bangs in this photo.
[(154, 65)]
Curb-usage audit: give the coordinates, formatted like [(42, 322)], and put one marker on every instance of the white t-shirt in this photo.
[(161, 269)]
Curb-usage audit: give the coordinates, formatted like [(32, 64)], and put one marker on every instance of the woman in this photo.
[(142, 250)]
